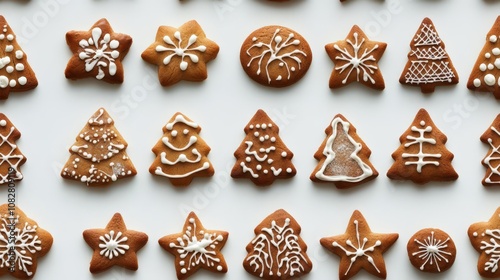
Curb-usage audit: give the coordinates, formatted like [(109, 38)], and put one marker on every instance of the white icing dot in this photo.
[(264, 126), (422, 123), (185, 131), (2, 36), (254, 39), (257, 126), (248, 159), (19, 54), (12, 83), (270, 125), (258, 167), (9, 48), (256, 134), (9, 69), (266, 137), (477, 82), (496, 51), (174, 133), (482, 67), (251, 126), (219, 268), (261, 139), (114, 44), (4, 81), (10, 37), (489, 79), (499, 81), (497, 63), (493, 38), (289, 170), (3, 123), (183, 271), (191, 220), (487, 55), (281, 64), (266, 171), (474, 234), (283, 154), (491, 66), (22, 80), (182, 263), (269, 161), (292, 69), (273, 139), (19, 67), (279, 78)]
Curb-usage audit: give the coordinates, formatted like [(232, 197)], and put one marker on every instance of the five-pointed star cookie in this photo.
[(196, 247), (114, 245), (181, 53), (97, 53), (356, 60), (485, 238), (359, 248)]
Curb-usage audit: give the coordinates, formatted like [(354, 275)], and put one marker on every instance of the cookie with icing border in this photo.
[(181, 154), (97, 53), (343, 156), (196, 247), (275, 56), (360, 248), (356, 60), (181, 53), (485, 238), (12, 157), (431, 250), (262, 156), (491, 161), (429, 65)]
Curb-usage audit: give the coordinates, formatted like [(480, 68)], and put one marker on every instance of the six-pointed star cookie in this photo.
[(114, 245), (97, 53), (196, 247), (359, 248), (485, 238), (356, 60), (181, 53)]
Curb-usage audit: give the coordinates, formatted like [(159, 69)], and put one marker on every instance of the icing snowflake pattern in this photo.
[(26, 242), (420, 140), (194, 251), (494, 155), (112, 246), (433, 251), (364, 64), (358, 250), (176, 49), (275, 55), (288, 258), (491, 248), (96, 53)]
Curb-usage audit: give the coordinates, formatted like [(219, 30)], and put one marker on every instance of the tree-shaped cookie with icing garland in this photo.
[(356, 60), (98, 157), (262, 156), (181, 53), (422, 156), (485, 238), (15, 72), (277, 252), (485, 75), (97, 53), (181, 154), (429, 65), (491, 161), (11, 156), (343, 156)]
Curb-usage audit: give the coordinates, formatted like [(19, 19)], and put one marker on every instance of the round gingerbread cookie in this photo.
[(275, 56), (431, 250)]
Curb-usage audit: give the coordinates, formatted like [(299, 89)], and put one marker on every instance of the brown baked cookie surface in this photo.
[(491, 161), (275, 56), (485, 238), (431, 250), (12, 157)]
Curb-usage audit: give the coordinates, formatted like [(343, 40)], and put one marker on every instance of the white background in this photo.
[(51, 116)]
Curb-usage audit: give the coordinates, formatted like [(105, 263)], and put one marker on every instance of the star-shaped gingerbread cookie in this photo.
[(196, 247), (359, 248), (485, 238), (181, 53), (97, 53), (114, 245), (356, 60)]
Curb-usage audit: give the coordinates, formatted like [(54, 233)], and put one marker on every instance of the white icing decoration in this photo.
[(492, 249), (4, 81), (358, 250), (3, 122), (180, 119), (4, 61), (22, 80), (420, 140), (493, 39), (433, 251), (112, 246), (477, 82), (95, 52), (9, 69), (19, 54), (9, 156), (492, 156), (19, 67), (274, 54), (489, 79), (9, 48), (10, 37), (176, 49)]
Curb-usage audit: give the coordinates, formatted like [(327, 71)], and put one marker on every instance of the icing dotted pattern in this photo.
[(12, 64), (276, 55), (26, 243), (96, 54), (176, 49), (420, 140), (491, 248), (494, 155), (10, 157), (433, 251), (197, 247), (494, 57), (112, 246)]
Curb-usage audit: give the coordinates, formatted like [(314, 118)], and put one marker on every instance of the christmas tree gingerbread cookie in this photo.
[(97, 53), (491, 161), (15, 72), (422, 156), (277, 252), (12, 158), (428, 63), (343, 156), (485, 238), (181, 154), (98, 156), (262, 156)]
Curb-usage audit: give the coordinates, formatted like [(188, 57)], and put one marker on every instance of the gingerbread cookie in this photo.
[(262, 157), (98, 156), (12, 158), (181, 53), (275, 56), (196, 247), (181, 154), (97, 53), (428, 63), (360, 248), (422, 156), (356, 60), (277, 252), (485, 238), (343, 157), (114, 245), (31, 243), (492, 160), (485, 75), (15, 72), (431, 250)]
